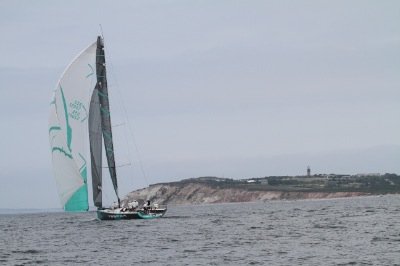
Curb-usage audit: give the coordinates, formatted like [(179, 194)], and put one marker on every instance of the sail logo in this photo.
[(77, 111)]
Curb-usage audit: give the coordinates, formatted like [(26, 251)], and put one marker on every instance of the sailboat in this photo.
[(80, 110)]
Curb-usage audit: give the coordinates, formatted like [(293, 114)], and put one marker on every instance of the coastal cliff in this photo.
[(219, 190), (197, 193)]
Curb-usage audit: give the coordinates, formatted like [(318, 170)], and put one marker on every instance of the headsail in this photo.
[(95, 137), (68, 125)]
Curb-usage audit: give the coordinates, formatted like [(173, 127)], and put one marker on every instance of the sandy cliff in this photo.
[(194, 193)]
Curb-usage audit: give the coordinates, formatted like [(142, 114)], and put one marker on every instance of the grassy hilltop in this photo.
[(368, 183)]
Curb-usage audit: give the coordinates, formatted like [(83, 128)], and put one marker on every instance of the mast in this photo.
[(104, 110)]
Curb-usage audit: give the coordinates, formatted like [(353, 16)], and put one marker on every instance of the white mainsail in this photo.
[(68, 129)]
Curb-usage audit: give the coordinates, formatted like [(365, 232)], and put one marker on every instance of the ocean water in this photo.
[(351, 231)]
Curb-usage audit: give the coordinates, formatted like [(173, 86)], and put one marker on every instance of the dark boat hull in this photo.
[(108, 214), (102, 215)]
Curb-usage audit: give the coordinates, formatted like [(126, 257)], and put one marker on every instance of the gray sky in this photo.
[(225, 88)]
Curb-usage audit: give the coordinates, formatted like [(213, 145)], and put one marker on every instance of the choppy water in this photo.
[(353, 231)]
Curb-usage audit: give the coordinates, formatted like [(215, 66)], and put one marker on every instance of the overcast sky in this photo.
[(223, 88)]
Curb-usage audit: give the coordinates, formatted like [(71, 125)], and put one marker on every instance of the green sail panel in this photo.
[(78, 201)]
